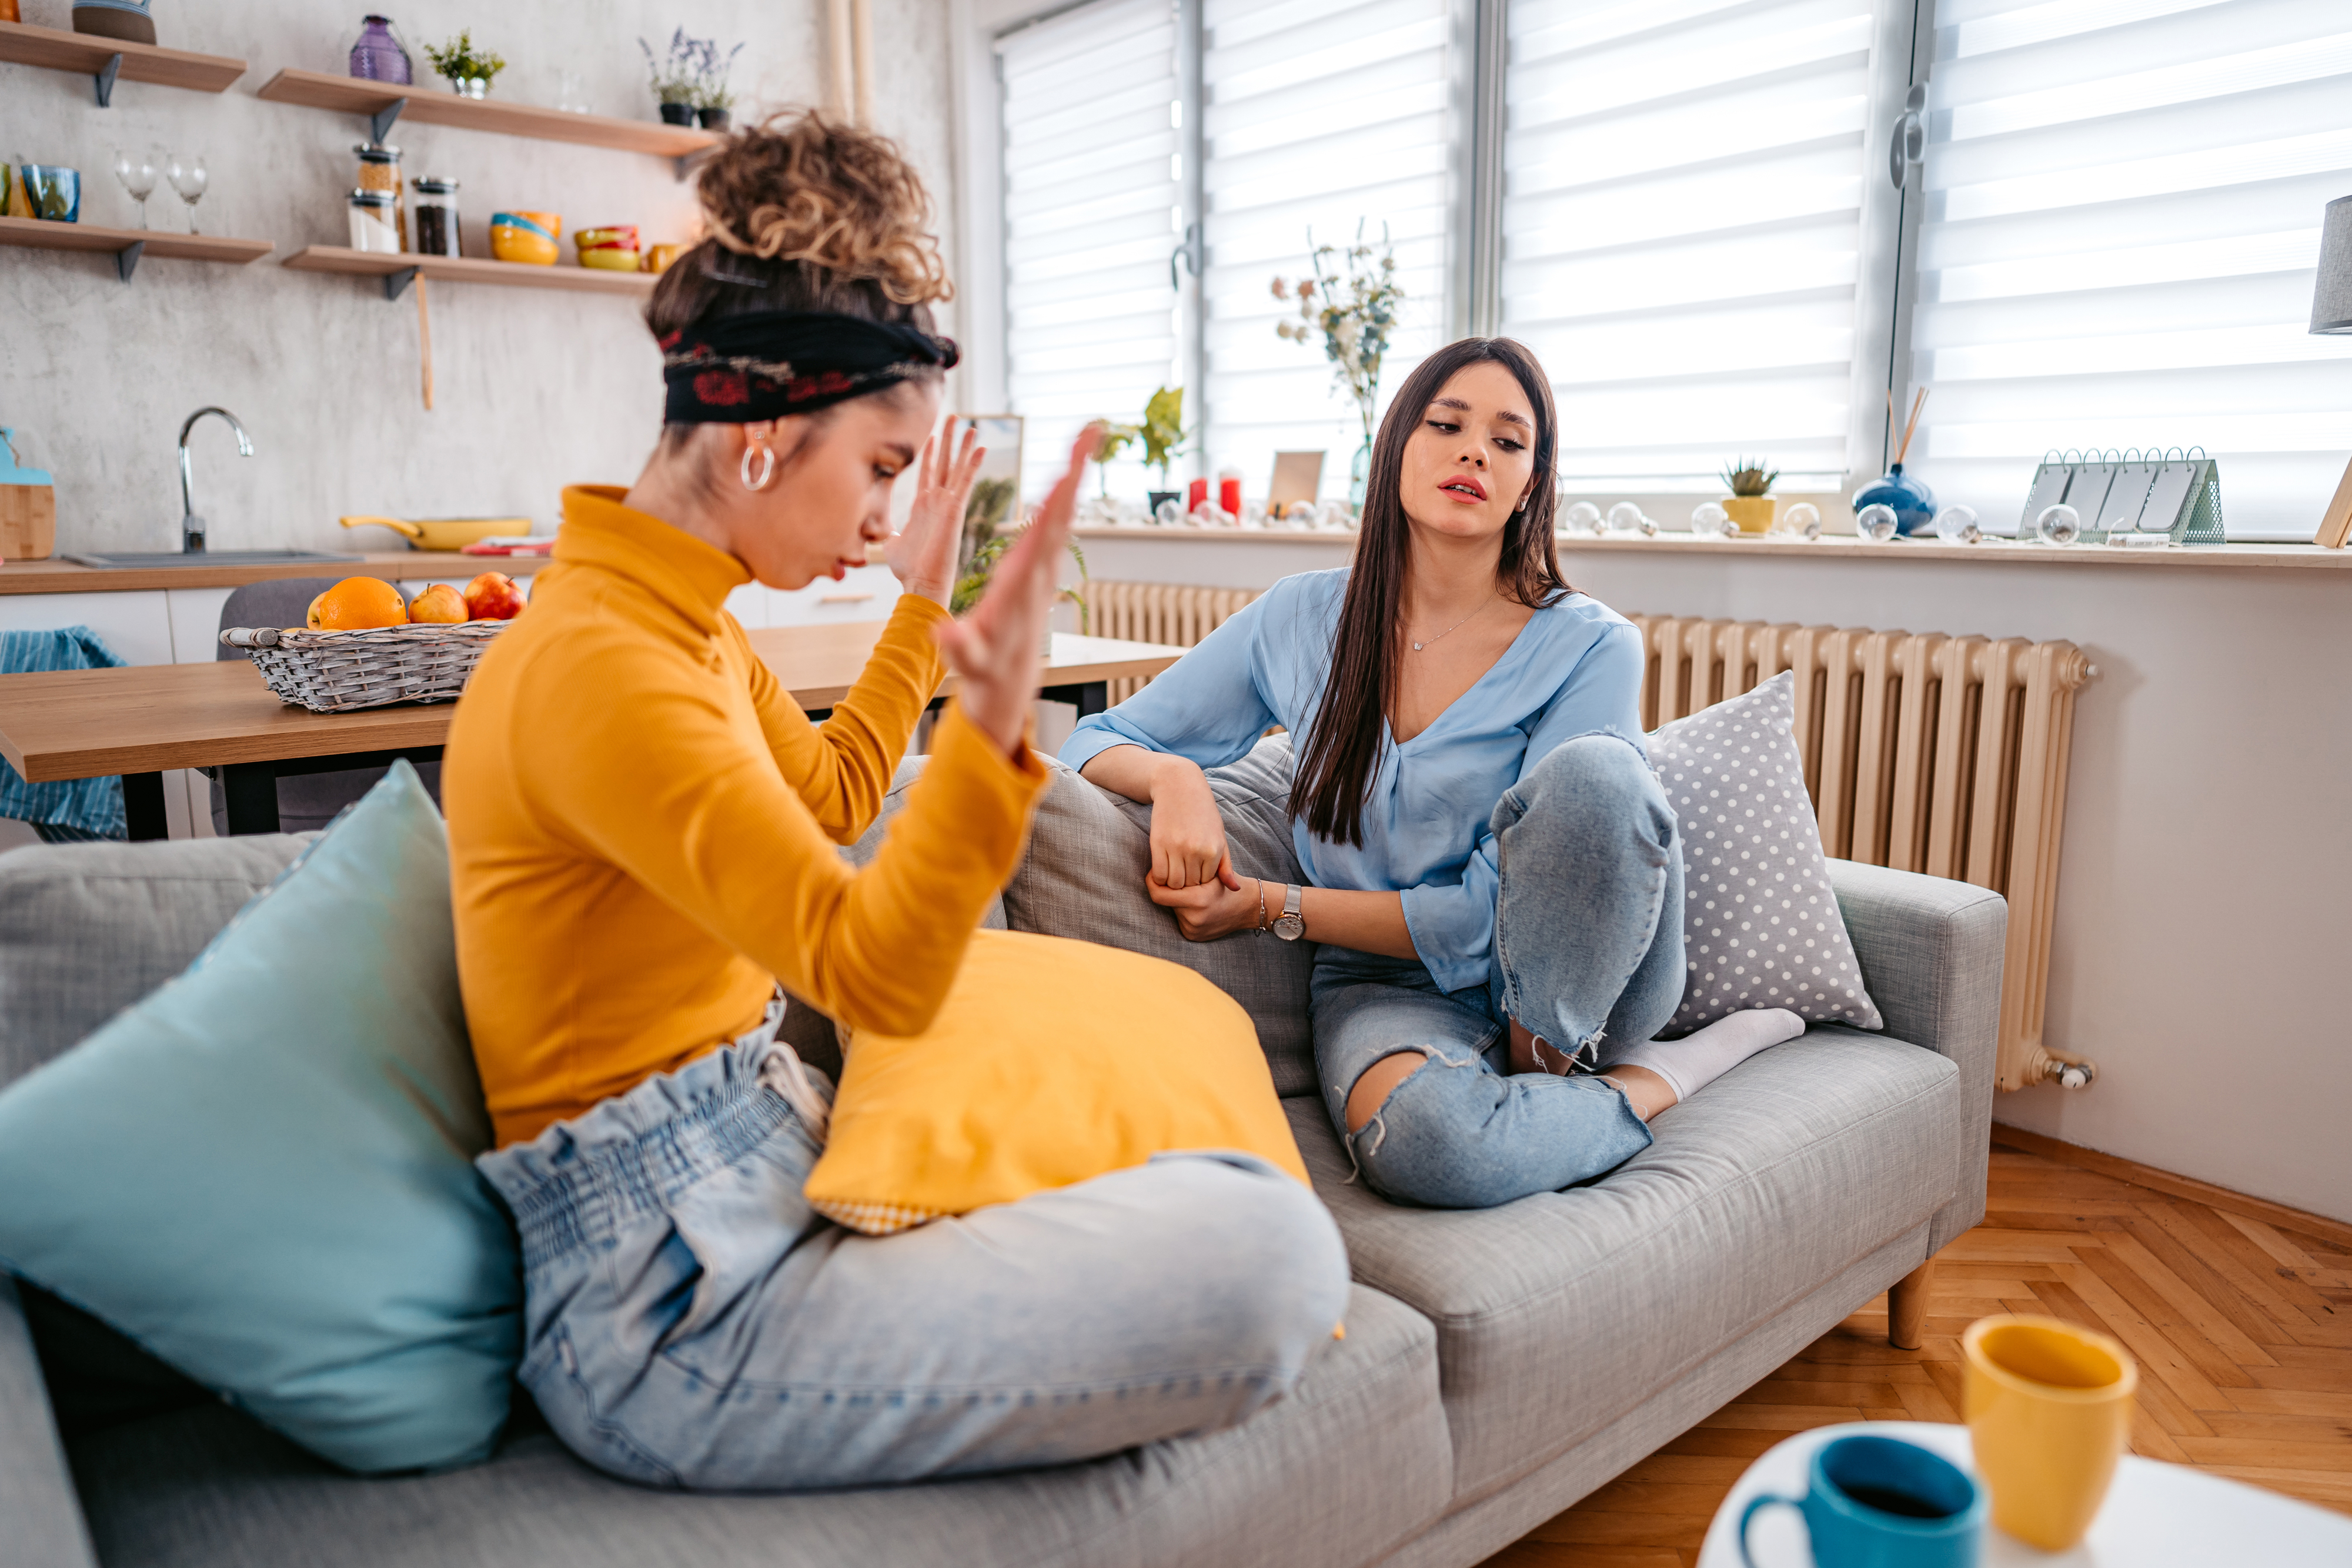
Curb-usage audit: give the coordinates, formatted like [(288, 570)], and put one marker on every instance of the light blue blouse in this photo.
[(1574, 669)]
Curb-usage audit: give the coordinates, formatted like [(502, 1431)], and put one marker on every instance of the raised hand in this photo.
[(995, 650), (922, 555)]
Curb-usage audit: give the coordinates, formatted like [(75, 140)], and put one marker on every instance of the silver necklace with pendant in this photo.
[(1417, 647)]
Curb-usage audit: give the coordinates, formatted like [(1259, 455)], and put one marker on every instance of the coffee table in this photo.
[(140, 719), (2157, 1515)]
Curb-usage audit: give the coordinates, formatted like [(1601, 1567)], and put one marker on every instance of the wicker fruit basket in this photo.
[(337, 671)]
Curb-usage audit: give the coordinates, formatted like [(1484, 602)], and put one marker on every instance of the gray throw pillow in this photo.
[(1761, 920), (1083, 877)]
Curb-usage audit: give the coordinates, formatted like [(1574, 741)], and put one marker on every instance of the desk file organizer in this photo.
[(2131, 496)]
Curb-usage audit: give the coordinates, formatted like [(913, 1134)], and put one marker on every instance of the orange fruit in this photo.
[(438, 604), (358, 604)]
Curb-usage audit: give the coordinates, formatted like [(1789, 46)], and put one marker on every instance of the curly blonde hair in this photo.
[(804, 188)]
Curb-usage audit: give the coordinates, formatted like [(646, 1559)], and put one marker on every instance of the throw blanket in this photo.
[(71, 809)]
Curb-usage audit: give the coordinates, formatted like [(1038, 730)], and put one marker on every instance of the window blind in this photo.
[(1682, 228), (1091, 199), (1320, 115), (2125, 201)]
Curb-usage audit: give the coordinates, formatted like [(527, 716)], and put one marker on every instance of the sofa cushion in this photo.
[(1352, 1463), (263, 1173), (1083, 877), (1761, 922), (88, 929), (1558, 1313)]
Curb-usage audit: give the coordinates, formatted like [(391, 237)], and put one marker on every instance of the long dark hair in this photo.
[(1343, 746)]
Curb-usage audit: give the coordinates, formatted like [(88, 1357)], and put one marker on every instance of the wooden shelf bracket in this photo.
[(104, 81)]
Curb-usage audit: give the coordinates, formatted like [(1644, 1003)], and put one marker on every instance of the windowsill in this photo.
[(2237, 556)]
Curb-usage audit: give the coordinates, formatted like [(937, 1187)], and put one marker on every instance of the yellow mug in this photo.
[(2048, 1406)]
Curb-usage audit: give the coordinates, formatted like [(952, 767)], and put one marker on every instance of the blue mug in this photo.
[(1878, 1502), (53, 192)]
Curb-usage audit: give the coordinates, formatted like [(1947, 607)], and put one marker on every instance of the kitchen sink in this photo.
[(148, 562)]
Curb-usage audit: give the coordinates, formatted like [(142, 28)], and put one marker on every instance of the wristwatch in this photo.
[(1290, 925)]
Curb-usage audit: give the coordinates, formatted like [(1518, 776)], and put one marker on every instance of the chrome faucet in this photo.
[(192, 526)]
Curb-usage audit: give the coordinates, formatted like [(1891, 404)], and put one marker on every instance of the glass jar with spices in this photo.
[(371, 222), (379, 171), (436, 218)]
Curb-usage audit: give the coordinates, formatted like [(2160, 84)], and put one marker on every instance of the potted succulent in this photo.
[(674, 77), (1750, 504), (1116, 439), (468, 70), (1162, 433)]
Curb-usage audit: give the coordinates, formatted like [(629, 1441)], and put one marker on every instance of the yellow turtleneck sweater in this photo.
[(642, 826)]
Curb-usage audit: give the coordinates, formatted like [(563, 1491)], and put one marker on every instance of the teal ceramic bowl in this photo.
[(54, 191)]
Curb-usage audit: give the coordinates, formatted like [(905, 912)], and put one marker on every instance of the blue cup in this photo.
[(1878, 1502), (54, 192)]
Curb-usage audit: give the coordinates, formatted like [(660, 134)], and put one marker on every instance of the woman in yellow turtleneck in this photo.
[(642, 829)]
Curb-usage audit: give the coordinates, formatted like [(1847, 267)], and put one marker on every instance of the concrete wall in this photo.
[(534, 389), (2205, 892)]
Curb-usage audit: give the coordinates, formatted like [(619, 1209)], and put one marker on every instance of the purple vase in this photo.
[(378, 57)]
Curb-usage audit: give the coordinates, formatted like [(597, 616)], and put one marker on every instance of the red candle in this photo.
[(1195, 495), (1229, 491)]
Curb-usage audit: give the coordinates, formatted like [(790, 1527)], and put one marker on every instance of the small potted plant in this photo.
[(673, 76), (1751, 504), (714, 100), (1162, 433), (467, 70)]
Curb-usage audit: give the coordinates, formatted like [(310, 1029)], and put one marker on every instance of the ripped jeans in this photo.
[(1588, 950)]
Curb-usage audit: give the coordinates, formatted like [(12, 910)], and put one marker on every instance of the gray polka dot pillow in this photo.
[(1761, 922)]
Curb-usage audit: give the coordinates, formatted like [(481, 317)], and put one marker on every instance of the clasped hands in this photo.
[(1192, 874)]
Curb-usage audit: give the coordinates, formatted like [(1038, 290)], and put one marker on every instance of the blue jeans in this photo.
[(1588, 949), (690, 1321)]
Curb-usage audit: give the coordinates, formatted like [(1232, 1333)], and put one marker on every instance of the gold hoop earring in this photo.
[(767, 466)]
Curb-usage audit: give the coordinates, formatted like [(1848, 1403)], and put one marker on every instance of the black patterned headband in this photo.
[(741, 369)]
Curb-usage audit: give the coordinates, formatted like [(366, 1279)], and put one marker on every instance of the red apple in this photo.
[(493, 596)]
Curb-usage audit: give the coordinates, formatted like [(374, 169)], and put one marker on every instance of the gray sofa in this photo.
[(1497, 1365)]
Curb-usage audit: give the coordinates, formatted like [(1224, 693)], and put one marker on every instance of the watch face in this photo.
[(1290, 927)]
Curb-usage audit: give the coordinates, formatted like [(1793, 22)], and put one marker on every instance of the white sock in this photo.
[(1698, 1059)]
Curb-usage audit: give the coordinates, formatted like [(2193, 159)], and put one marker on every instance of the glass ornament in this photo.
[(1877, 522), (2058, 524), (1958, 524), (1709, 520), (1800, 517), (1625, 518), (1585, 517)]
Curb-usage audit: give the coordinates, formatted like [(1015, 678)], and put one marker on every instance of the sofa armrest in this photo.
[(1930, 951), (43, 1513)]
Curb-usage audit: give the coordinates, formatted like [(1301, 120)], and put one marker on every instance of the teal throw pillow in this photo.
[(263, 1172)]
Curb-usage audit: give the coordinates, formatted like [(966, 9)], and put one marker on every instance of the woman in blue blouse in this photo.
[(1496, 877)]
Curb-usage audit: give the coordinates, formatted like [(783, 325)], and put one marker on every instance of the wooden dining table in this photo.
[(138, 720)]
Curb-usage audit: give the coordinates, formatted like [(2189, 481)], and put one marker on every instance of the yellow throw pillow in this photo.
[(1051, 1062)]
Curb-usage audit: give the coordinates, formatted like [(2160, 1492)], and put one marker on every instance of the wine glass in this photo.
[(187, 173), (137, 173)]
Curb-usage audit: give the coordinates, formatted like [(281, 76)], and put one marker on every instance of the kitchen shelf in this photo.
[(127, 245), (432, 105), (398, 270), (108, 60)]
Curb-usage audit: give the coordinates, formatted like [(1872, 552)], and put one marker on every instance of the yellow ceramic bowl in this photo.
[(659, 258), (604, 258), (526, 237)]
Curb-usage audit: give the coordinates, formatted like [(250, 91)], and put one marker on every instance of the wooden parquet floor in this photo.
[(2243, 1330)]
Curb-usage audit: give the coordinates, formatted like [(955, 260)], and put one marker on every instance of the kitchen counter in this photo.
[(61, 576)]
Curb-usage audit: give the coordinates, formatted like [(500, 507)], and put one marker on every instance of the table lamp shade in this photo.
[(2331, 301)]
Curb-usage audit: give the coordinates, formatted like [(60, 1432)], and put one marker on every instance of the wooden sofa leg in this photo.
[(1906, 1306)]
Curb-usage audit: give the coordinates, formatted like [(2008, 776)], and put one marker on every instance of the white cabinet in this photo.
[(866, 593)]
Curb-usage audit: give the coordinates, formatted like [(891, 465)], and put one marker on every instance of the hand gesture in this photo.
[(1212, 909), (995, 649), (923, 555)]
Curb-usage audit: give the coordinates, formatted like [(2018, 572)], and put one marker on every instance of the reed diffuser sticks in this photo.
[(1902, 444)]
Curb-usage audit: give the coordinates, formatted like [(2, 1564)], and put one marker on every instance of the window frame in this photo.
[(1902, 54)]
